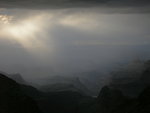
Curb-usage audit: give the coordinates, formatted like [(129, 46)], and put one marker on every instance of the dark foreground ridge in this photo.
[(19, 98), (13, 100)]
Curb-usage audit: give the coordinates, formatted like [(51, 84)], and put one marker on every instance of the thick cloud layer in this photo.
[(72, 3), (40, 38), (70, 41)]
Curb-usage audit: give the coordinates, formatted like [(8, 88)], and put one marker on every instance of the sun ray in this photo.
[(29, 32), (24, 32)]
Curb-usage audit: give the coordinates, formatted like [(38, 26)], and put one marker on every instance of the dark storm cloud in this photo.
[(72, 3)]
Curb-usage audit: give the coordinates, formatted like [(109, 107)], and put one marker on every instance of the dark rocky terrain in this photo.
[(18, 78), (128, 92), (60, 83), (113, 101), (131, 96), (21, 98), (12, 98), (132, 80)]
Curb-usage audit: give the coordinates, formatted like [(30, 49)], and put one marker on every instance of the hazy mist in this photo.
[(41, 40)]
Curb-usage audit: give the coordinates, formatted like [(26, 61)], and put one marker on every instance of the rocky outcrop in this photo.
[(113, 101), (132, 81), (13, 100), (18, 78), (109, 100)]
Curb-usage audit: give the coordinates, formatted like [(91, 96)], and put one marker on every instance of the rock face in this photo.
[(113, 101), (64, 101), (60, 84), (144, 102), (132, 81), (57, 102), (109, 99), (13, 100), (93, 80), (18, 98), (60, 102), (18, 78)]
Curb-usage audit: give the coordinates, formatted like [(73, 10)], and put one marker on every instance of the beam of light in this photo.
[(26, 32), (5, 19)]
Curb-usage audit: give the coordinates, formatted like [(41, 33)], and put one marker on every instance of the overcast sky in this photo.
[(41, 38)]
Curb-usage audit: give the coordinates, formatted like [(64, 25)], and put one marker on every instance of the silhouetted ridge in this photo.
[(18, 78), (13, 100), (144, 97), (132, 80), (60, 83), (109, 99), (113, 101)]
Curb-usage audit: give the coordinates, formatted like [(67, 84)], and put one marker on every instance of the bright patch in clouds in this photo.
[(70, 40), (4, 19), (33, 31), (24, 31)]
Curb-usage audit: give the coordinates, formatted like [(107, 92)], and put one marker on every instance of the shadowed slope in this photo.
[(13, 100)]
